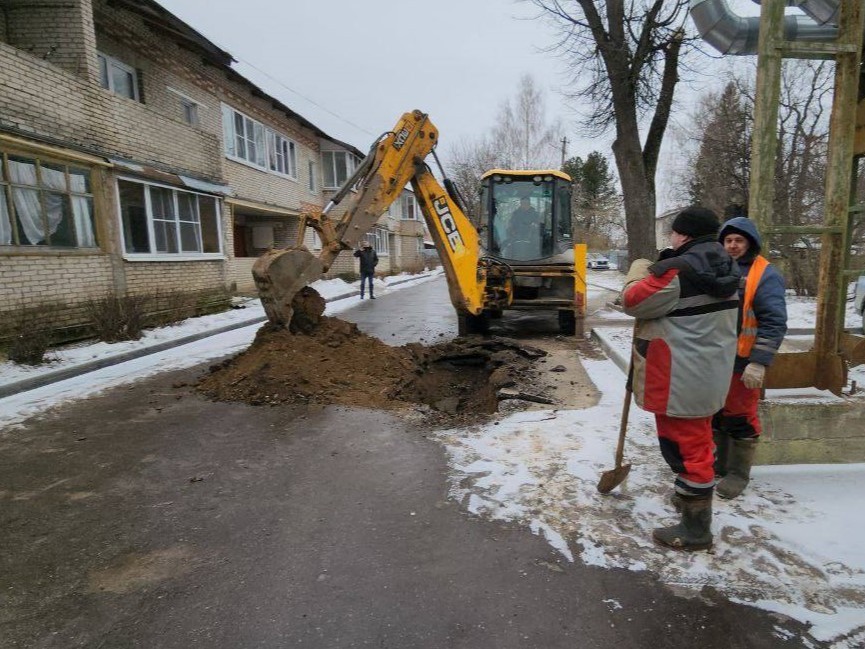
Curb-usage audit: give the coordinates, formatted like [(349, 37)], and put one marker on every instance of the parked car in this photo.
[(859, 299), (598, 263)]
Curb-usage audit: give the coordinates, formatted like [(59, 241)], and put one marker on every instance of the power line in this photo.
[(305, 98)]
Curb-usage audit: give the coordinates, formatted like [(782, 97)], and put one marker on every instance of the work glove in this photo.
[(753, 375), (638, 270)]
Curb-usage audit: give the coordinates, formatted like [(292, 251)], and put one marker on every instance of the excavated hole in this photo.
[(329, 361)]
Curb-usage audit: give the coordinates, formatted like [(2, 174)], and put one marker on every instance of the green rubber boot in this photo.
[(738, 468), (694, 531)]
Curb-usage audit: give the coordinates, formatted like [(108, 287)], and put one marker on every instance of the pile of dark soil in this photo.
[(332, 362)]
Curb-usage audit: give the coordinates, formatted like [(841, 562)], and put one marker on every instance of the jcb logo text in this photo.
[(400, 138), (449, 225)]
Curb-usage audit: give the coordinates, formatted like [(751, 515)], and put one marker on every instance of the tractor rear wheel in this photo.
[(567, 322)]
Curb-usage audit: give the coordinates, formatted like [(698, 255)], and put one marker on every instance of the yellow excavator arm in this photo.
[(394, 161)]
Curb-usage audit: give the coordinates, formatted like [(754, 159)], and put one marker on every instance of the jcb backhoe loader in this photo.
[(520, 255)]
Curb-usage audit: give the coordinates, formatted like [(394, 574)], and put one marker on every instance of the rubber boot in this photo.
[(694, 531), (722, 451), (738, 468)]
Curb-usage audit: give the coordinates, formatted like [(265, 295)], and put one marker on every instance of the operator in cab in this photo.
[(523, 224)]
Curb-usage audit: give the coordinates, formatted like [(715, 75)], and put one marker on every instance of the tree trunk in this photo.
[(638, 193)]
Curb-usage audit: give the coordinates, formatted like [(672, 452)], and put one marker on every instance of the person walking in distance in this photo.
[(685, 305), (368, 262), (762, 327)]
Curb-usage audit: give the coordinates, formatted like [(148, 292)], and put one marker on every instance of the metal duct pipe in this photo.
[(730, 33), (823, 12)]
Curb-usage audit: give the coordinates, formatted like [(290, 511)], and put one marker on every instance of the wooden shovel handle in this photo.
[(623, 427)]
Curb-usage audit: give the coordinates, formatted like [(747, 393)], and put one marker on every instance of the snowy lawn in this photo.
[(246, 310)]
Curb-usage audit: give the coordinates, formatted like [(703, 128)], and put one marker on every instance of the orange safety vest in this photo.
[(748, 334)]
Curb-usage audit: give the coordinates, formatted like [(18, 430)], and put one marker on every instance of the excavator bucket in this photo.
[(279, 275)]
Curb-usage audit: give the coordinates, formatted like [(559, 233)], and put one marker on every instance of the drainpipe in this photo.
[(730, 33)]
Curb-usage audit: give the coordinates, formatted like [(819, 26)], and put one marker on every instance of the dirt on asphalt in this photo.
[(323, 360)]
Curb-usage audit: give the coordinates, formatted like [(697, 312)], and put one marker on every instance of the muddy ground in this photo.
[(324, 361)]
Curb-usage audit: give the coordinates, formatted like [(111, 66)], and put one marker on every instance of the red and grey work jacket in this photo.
[(685, 335)]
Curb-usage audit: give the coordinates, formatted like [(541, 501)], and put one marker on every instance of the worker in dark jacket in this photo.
[(684, 343), (762, 327), (368, 262)]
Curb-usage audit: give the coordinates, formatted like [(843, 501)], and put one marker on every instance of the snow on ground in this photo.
[(246, 310), (15, 408), (792, 544)]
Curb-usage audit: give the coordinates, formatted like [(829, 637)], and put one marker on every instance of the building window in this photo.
[(45, 203), (409, 207), (249, 141), (281, 154), (337, 166), (160, 220), (118, 77), (312, 181), (378, 237), (190, 112)]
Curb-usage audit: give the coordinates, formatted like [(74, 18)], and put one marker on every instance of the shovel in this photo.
[(616, 476)]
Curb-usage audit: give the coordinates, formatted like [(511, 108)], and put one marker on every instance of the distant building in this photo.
[(663, 223)]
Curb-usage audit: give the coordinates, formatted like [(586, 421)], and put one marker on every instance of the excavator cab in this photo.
[(527, 215), (525, 223)]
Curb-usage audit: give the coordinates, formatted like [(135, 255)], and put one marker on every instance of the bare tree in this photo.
[(521, 138), (800, 174), (466, 163), (626, 56), (721, 129), (525, 139)]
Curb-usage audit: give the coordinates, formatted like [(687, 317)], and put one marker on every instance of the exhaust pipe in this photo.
[(730, 33)]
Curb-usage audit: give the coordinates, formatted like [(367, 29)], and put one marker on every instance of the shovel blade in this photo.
[(613, 478)]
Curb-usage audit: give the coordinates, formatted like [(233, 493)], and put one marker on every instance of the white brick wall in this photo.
[(58, 98)]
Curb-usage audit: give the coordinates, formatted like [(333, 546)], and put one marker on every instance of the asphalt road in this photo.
[(149, 517)]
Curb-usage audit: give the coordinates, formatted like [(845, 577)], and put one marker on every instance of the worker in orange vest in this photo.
[(762, 327)]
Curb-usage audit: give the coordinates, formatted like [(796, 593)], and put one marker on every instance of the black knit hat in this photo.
[(695, 221)]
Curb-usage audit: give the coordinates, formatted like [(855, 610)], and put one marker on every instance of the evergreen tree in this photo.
[(722, 167), (596, 204)]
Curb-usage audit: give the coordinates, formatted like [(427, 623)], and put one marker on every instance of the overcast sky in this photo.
[(353, 67)]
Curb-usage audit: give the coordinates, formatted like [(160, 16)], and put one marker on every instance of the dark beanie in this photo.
[(696, 222)]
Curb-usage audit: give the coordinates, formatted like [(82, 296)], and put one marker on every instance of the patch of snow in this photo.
[(791, 544), (18, 407)]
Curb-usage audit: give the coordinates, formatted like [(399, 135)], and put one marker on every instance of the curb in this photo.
[(42, 380), (70, 372), (612, 353)]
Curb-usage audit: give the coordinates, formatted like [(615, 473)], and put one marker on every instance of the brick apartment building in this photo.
[(134, 159)]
